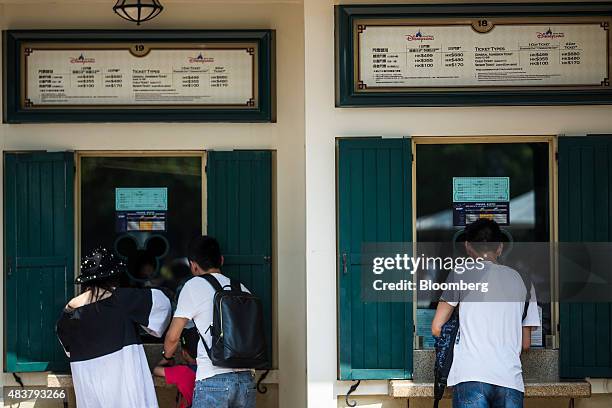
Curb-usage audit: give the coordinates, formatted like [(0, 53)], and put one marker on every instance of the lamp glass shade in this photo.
[(138, 10)]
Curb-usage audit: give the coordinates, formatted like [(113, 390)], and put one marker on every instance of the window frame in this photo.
[(128, 153), (552, 141)]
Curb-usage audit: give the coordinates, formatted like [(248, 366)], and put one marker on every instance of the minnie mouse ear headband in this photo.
[(99, 264)]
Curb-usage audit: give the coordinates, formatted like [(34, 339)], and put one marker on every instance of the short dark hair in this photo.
[(483, 234), (205, 251), (189, 341)]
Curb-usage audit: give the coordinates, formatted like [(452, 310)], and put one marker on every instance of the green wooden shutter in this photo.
[(374, 205), (585, 215), (39, 256), (239, 200)]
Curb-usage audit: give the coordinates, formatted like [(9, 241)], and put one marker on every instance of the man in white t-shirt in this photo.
[(486, 369), (215, 386)]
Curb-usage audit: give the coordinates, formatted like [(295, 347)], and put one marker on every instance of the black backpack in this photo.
[(445, 345), (237, 330)]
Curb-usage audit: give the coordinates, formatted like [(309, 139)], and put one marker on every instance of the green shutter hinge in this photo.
[(267, 259), (557, 156)]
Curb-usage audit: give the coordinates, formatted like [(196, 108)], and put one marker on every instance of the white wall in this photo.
[(306, 114), (324, 123), (286, 136)]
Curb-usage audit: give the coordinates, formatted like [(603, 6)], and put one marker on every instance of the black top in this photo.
[(105, 326)]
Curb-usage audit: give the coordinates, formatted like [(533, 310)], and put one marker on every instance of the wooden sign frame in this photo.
[(260, 106), (352, 20)]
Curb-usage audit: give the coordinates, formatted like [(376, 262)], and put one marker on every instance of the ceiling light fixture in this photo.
[(138, 11)]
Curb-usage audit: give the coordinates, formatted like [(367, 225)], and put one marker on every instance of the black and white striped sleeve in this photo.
[(151, 309)]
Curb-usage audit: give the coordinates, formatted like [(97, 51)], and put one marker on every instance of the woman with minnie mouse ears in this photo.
[(98, 330)]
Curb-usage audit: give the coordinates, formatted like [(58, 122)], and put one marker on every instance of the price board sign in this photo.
[(132, 76), (418, 55)]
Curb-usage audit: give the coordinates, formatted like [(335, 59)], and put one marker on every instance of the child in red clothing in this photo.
[(183, 376)]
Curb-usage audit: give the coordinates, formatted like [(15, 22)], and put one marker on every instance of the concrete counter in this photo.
[(578, 389), (539, 366), (540, 372)]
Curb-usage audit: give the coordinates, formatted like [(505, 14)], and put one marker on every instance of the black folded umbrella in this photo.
[(444, 346)]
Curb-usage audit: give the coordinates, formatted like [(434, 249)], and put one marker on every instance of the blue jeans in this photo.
[(230, 390), (474, 394)]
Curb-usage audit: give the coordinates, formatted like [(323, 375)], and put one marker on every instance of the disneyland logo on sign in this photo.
[(81, 59), (419, 36), (550, 34), (201, 58)]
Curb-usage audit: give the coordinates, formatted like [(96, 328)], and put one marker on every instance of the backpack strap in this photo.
[(212, 280), (204, 342), (526, 307), (528, 285), (217, 287), (235, 285)]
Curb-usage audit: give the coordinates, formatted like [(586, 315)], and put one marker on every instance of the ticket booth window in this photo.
[(144, 205), (564, 196), (515, 178), (146, 209)]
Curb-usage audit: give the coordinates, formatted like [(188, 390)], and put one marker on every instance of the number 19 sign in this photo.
[(181, 75)]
